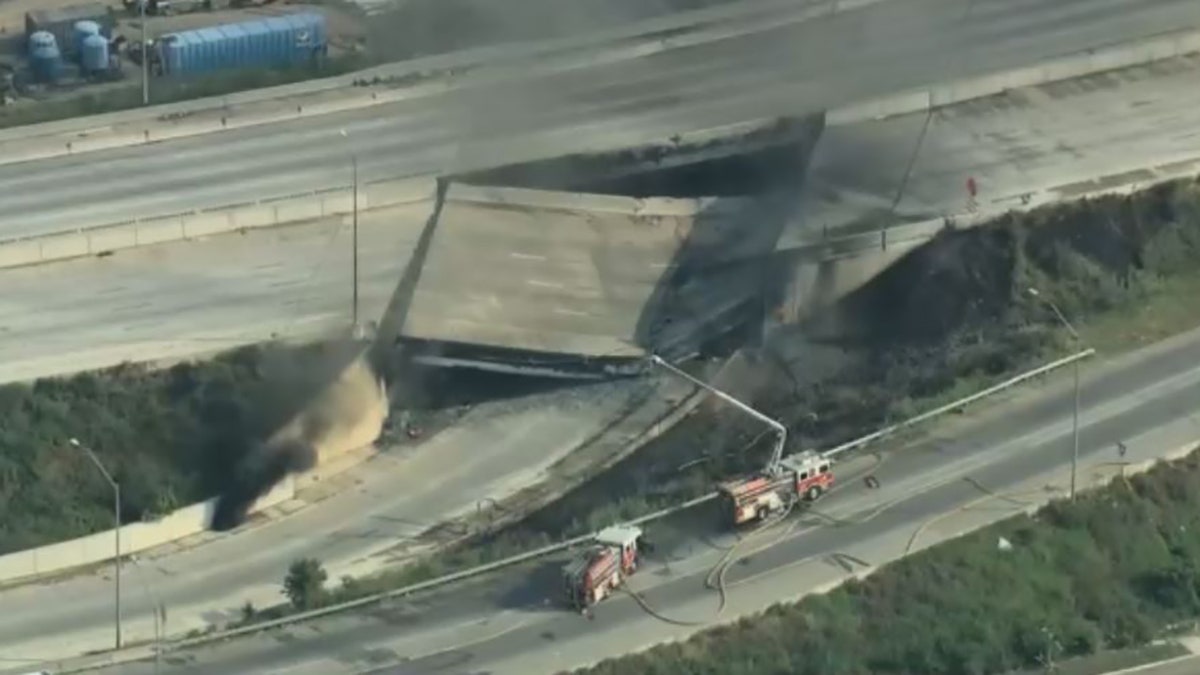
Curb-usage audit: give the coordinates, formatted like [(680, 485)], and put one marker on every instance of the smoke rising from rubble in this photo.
[(310, 402)]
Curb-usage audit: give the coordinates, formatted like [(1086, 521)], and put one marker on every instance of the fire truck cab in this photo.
[(601, 568), (806, 475)]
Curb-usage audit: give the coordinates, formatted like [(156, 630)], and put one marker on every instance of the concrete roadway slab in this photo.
[(1119, 128), (509, 624), (179, 300), (538, 271), (182, 299)]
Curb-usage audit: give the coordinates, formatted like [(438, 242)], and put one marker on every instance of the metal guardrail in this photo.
[(955, 405), (145, 653)]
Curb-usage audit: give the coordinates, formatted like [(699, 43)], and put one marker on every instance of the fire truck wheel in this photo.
[(763, 512), (813, 494)]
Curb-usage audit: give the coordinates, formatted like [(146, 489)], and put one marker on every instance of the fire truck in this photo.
[(601, 568), (803, 476)]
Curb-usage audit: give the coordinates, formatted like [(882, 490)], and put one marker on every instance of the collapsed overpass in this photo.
[(570, 284), (537, 280)]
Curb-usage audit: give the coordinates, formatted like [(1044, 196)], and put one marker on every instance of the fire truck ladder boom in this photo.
[(780, 430)]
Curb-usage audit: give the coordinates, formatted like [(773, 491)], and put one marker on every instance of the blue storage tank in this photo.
[(278, 41), (82, 31), (44, 57), (94, 53)]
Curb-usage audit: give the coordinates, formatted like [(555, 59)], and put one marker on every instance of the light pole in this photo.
[(145, 55), (1075, 416), (353, 239), (116, 534)]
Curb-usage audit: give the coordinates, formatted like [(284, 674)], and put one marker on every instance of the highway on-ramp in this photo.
[(793, 68), (931, 489)]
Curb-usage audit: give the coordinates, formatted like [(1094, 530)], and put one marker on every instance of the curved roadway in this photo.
[(355, 522), (795, 68), (929, 491)]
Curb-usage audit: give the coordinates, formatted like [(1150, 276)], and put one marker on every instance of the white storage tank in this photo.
[(82, 31), (94, 54)]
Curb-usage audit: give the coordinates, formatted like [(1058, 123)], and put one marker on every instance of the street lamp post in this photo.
[(353, 240), (1075, 416), (145, 55), (116, 534)]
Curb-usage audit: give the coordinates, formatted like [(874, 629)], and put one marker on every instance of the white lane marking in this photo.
[(526, 256)]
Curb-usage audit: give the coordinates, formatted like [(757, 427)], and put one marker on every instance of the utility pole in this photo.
[(116, 535), (353, 239), (354, 243), (1075, 415), (145, 55)]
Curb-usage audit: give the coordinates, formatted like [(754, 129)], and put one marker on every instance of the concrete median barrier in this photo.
[(107, 239), (1070, 66), (574, 201), (135, 537)]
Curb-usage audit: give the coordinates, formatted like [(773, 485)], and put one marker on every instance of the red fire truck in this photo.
[(600, 569), (805, 475)]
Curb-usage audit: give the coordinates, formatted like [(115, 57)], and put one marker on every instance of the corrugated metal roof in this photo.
[(285, 22)]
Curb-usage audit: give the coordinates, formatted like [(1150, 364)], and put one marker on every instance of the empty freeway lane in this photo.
[(794, 68)]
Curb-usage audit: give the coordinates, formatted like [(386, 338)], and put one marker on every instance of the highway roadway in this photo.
[(1024, 148), (355, 522), (793, 68), (183, 299), (931, 489)]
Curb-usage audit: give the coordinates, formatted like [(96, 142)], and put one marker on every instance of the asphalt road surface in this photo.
[(930, 490), (803, 67), (182, 299), (1034, 145)]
